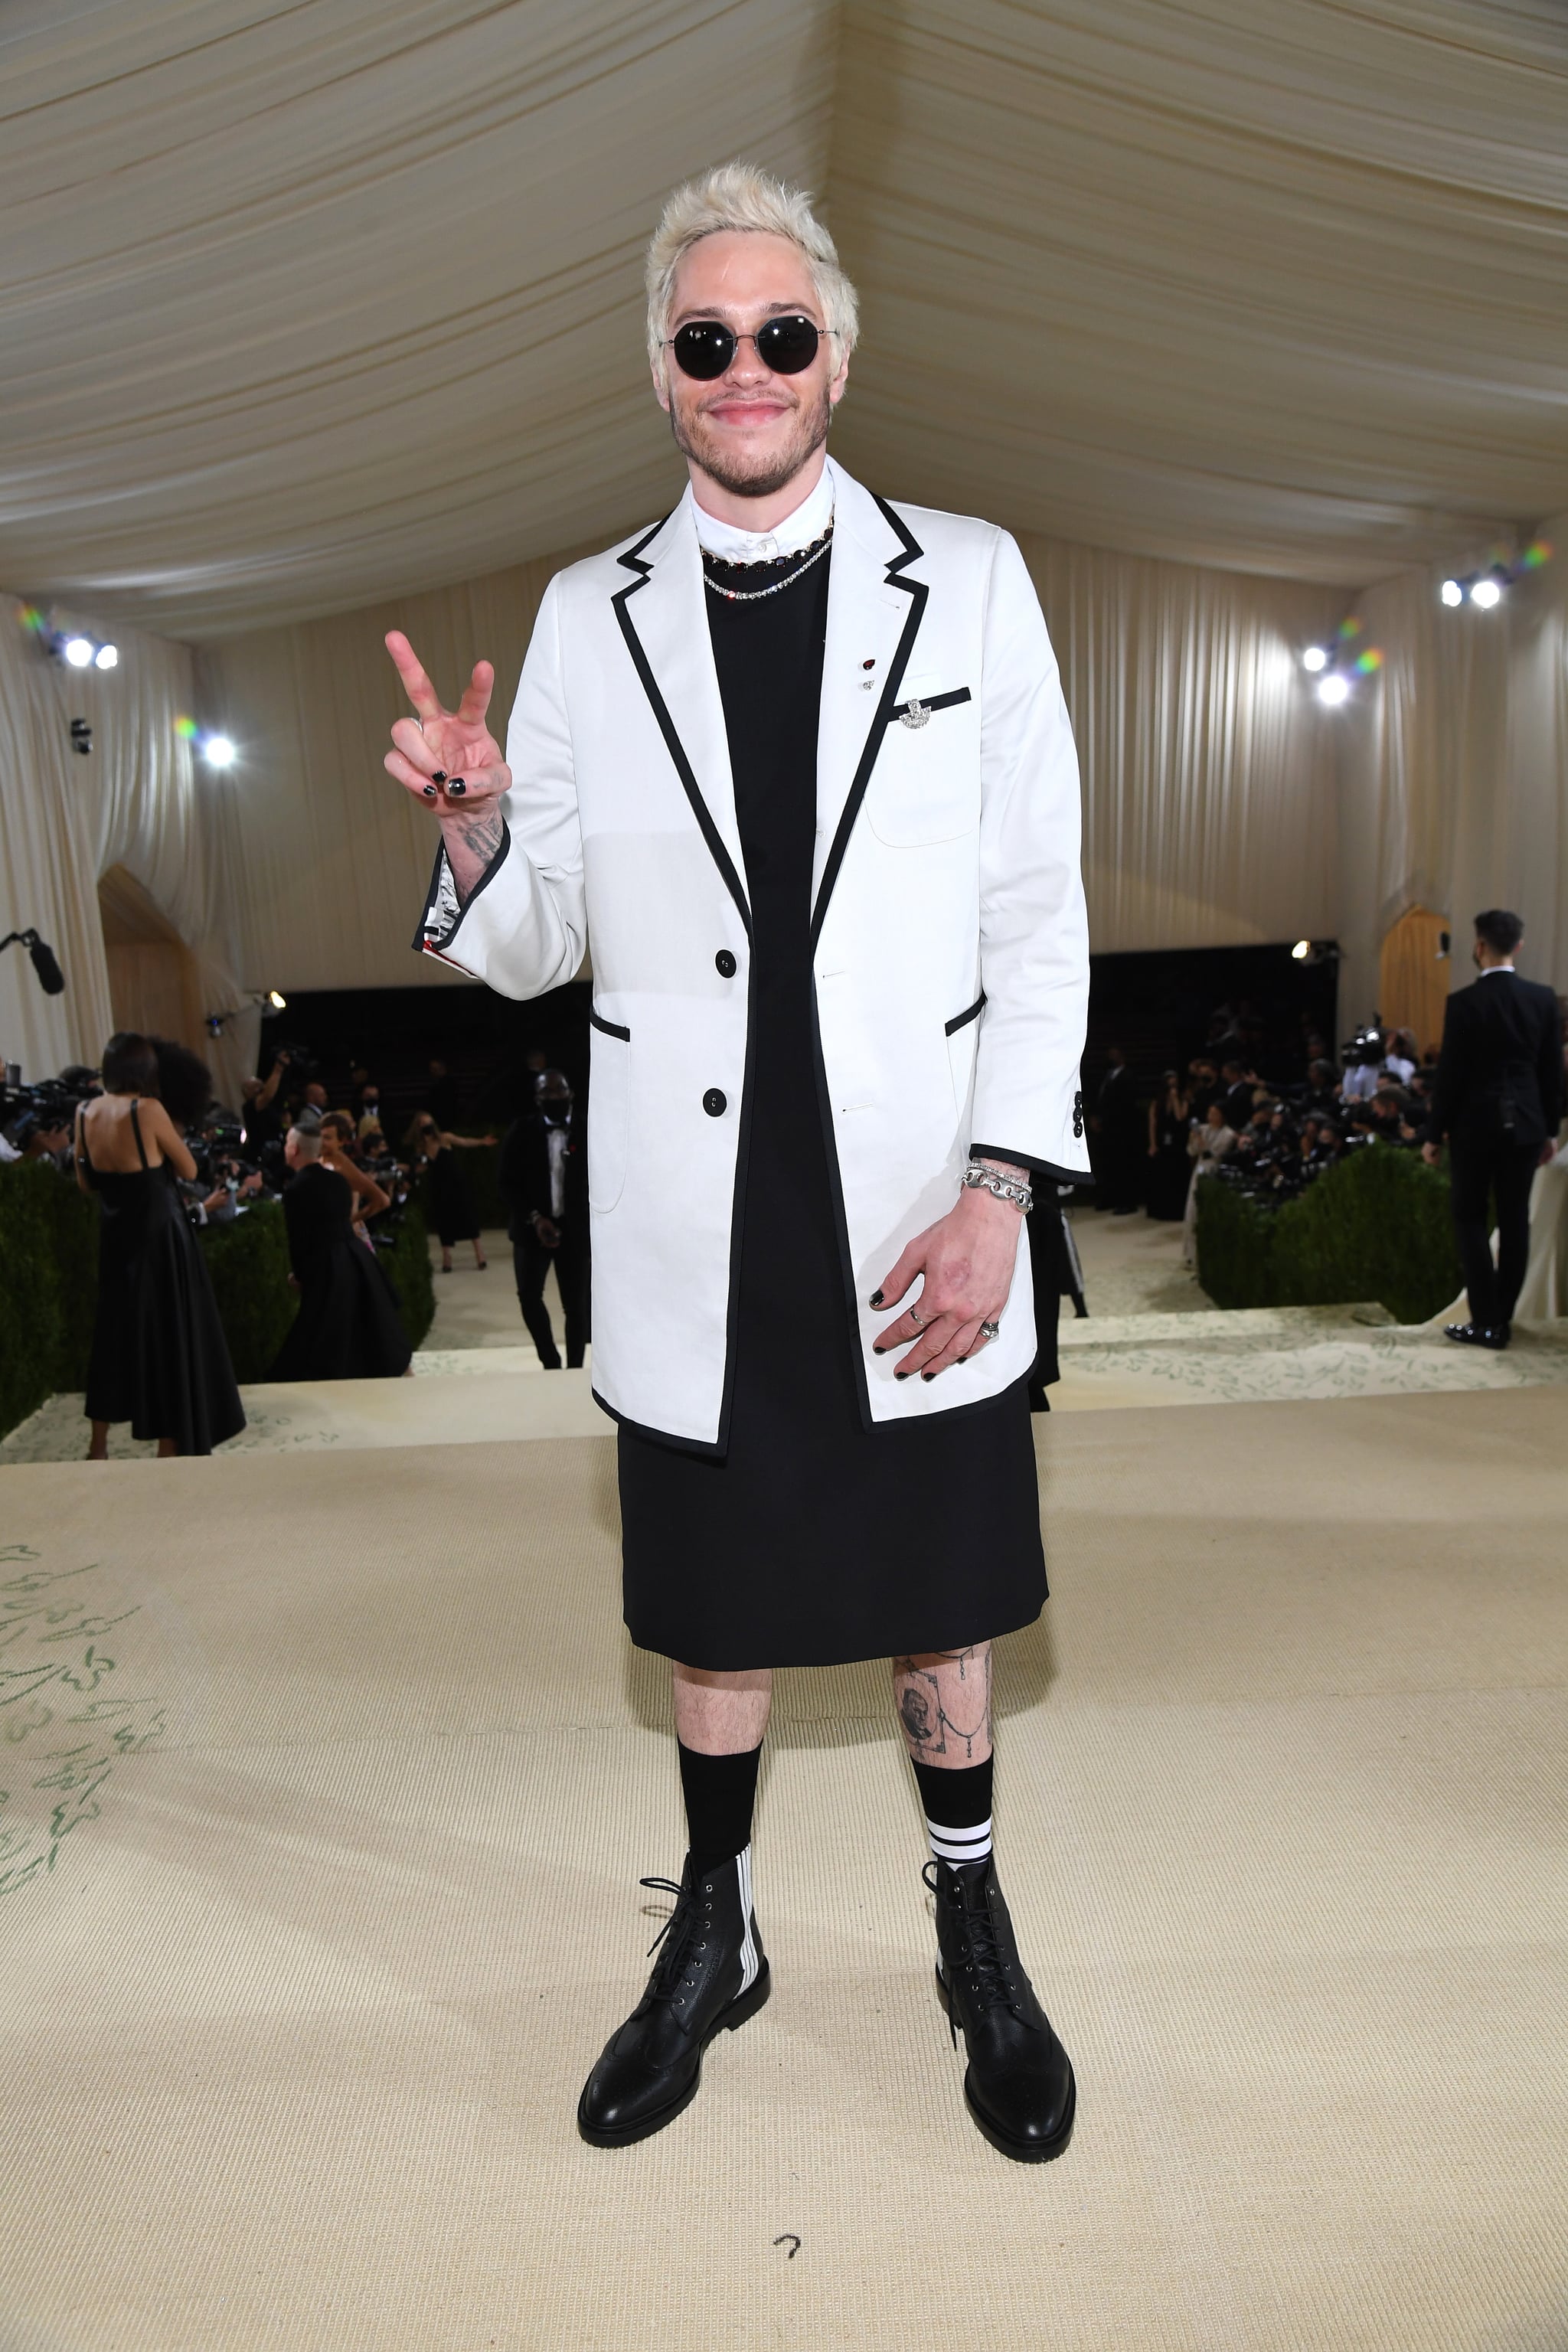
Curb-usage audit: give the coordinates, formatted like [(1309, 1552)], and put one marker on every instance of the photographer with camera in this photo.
[(159, 1357)]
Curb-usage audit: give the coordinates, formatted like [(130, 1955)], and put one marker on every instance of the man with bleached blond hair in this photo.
[(797, 759)]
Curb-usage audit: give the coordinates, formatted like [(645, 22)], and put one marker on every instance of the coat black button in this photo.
[(724, 964), (715, 1103)]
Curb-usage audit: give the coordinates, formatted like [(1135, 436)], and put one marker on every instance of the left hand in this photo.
[(966, 1261), (1429, 1153)]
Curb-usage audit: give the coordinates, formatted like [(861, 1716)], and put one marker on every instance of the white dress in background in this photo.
[(1545, 1291)]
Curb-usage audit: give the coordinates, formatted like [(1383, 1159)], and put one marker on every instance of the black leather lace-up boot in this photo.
[(710, 1975), (1019, 2082)]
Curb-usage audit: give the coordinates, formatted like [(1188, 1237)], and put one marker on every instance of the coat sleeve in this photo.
[(523, 928), (1034, 929), (1445, 1085), (1549, 1066)]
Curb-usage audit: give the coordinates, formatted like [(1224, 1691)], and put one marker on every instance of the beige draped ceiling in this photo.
[(304, 303), (321, 315)]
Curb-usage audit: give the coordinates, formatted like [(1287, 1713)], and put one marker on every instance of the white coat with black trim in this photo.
[(951, 964)]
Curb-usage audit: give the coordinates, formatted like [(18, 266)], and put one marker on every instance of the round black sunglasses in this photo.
[(704, 348)]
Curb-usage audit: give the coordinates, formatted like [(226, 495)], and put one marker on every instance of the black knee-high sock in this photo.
[(720, 1792), (957, 1810)]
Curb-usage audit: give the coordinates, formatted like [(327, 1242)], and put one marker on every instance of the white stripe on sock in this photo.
[(748, 1940), (953, 1845)]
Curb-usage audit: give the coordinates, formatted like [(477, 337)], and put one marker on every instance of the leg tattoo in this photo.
[(944, 1703)]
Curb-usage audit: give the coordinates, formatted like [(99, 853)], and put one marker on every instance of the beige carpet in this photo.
[(330, 1779)]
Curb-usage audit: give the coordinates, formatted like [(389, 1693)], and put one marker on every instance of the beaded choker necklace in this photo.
[(801, 560)]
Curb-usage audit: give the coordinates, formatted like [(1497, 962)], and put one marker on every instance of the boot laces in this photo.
[(669, 1979), (980, 1949)]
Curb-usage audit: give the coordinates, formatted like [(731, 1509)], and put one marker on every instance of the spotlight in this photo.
[(275, 999), (79, 651), (1334, 689), (1451, 593), (106, 657), (218, 751), (1486, 593), (1314, 658), (1301, 951)]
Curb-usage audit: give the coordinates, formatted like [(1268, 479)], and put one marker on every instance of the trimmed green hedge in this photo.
[(1377, 1226), (48, 1270), (48, 1229)]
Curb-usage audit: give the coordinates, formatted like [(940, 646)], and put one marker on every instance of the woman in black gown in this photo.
[(347, 1326), (1170, 1172), (451, 1201), (159, 1357), (747, 1562)]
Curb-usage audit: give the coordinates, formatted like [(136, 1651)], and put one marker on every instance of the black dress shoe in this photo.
[(1478, 1335), (710, 1975), (1019, 2082)]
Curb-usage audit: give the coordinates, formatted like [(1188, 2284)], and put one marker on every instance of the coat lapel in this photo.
[(873, 617), (663, 618)]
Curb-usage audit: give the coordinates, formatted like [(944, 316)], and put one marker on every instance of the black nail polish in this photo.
[(900, 1376), (928, 1376), (879, 1351), (439, 777), (876, 1298), (429, 792), (455, 788), (960, 1360)]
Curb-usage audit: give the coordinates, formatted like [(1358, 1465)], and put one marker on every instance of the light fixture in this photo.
[(1301, 951), (1486, 593), (276, 999), (1314, 658), (106, 657), (1334, 689), (1451, 593), (218, 751), (79, 651)]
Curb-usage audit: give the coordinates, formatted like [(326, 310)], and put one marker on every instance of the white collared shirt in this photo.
[(808, 521)]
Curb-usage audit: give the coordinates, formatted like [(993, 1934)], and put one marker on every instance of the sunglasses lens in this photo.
[(703, 350), (787, 345)]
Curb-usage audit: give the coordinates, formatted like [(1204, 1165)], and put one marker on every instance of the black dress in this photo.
[(159, 1357), (451, 1201), (347, 1326), (815, 1541), (1171, 1169)]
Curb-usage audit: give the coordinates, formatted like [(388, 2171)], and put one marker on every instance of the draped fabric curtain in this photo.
[(136, 800), (1454, 768)]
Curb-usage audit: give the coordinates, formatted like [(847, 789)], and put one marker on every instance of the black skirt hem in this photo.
[(925, 1639)]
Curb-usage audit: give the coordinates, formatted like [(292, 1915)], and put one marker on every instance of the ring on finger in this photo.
[(917, 1318), (991, 1330)]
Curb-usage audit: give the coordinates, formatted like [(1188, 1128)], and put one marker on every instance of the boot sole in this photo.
[(1022, 2151), (744, 2005)]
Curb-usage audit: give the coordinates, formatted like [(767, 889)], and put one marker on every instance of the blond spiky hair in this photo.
[(737, 197)]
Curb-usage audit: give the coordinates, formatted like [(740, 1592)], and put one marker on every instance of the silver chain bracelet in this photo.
[(981, 1179)]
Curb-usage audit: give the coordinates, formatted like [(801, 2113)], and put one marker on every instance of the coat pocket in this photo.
[(609, 1110), (925, 786)]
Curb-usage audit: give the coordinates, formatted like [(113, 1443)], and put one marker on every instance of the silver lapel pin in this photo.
[(915, 715)]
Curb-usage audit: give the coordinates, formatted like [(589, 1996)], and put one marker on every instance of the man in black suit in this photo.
[(545, 1183), (1120, 1141), (1498, 1098)]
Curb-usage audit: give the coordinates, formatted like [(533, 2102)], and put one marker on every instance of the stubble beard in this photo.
[(761, 477)]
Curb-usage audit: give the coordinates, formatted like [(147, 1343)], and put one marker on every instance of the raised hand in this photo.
[(451, 761)]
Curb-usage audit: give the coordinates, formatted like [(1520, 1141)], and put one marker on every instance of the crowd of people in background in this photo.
[(1272, 1136), (145, 1137)]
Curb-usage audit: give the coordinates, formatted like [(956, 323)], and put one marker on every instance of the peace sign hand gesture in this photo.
[(452, 761)]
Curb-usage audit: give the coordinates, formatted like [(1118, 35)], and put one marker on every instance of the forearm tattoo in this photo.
[(945, 1703), (475, 835)]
